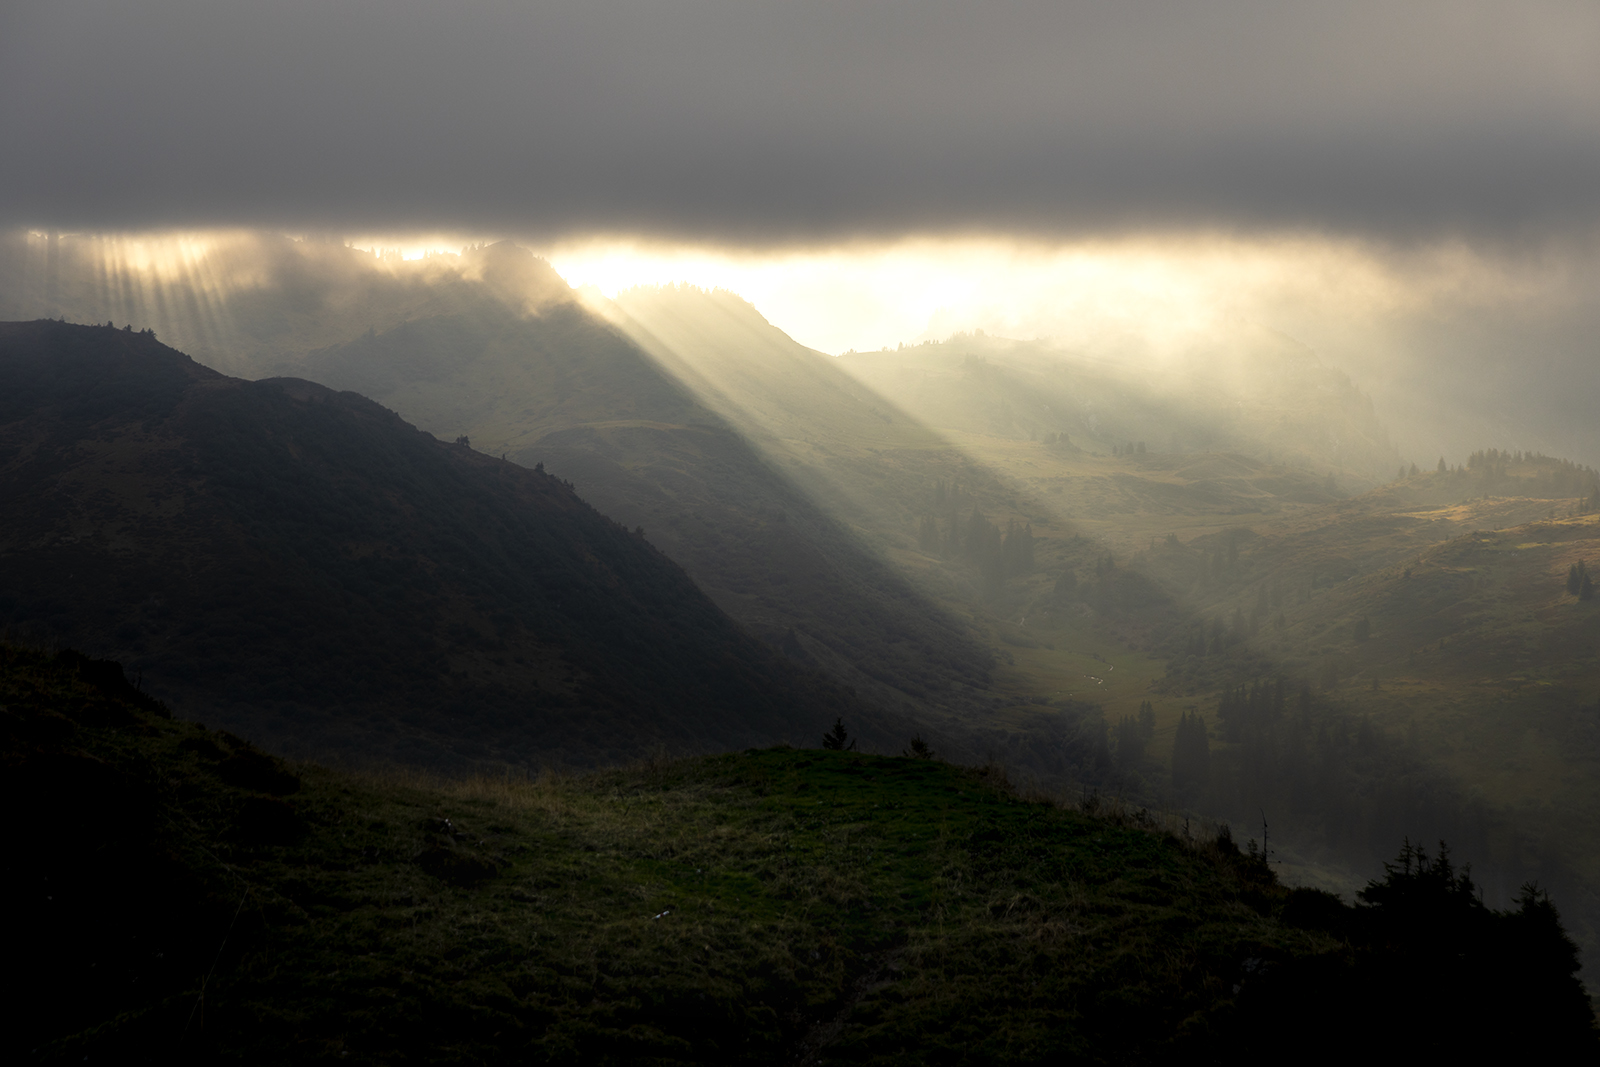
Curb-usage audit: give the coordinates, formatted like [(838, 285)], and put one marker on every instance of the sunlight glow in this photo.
[(1164, 291), (408, 248)]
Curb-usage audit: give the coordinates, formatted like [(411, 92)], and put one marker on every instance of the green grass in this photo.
[(750, 907)]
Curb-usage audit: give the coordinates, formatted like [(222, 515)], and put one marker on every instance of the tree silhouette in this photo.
[(1577, 577), (1191, 754), (836, 738), (1434, 972)]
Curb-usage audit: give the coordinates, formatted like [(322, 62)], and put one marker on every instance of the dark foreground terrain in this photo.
[(176, 894)]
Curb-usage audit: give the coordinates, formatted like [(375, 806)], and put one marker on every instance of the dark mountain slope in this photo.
[(842, 440), (319, 574), (561, 387)]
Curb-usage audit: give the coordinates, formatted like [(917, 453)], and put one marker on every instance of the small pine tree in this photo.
[(836, 738), (919, 749)]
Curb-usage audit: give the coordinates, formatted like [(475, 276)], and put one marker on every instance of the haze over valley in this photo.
[(904, 567)]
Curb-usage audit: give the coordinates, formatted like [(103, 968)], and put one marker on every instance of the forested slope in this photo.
[(322, 576), (562, 388)]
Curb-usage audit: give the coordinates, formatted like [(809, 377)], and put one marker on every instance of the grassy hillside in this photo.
[(194, 899), (321, 576)]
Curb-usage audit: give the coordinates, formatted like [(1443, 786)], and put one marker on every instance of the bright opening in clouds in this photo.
[(863, 296), (1412, 190)]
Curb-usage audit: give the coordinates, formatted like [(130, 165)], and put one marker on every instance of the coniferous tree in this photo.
[(1018, 550), (1129, 739), (1147, 721), (1191, 754), (838, 739), (992, 569)]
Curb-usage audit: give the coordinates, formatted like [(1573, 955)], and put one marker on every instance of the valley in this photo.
[(1049, 558), (904, 535)]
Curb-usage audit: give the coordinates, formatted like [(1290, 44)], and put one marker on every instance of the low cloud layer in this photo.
[(1462, 348), (755, 123)]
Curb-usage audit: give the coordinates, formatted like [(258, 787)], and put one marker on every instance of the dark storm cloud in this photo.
[(801, 120)]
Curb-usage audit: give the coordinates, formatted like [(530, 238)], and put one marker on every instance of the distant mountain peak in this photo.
[(517, 276)]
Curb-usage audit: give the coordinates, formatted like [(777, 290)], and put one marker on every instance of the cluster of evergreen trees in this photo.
[(1216, 637), (1130, 449), (1322, 771), (1490, 470), (1191, 755), (1133, 734), (1434, 975), (1246, 708), (996, 554), (1579, 584)]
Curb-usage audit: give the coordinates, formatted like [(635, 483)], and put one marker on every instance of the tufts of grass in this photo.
[(765, 906)]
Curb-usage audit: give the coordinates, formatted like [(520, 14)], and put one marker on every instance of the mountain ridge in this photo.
[(276, 544)]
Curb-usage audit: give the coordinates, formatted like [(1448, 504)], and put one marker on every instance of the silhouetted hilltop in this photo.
[(189, 898), (307, 568)]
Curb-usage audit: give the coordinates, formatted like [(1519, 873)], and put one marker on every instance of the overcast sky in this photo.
[(753, 122), (1411, 187)]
